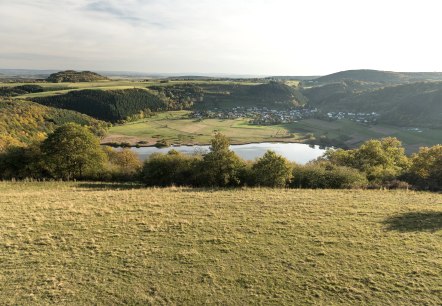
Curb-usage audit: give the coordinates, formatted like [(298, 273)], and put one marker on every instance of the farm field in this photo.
[(93, 243), (177, 128), (62, 88)]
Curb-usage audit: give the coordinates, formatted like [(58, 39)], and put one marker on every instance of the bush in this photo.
[(426, 169), (22, 163), (123, 165), (325, 175), (169, 169), (381, 160)]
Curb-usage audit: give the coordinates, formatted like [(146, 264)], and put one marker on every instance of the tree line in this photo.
[(74, 152)]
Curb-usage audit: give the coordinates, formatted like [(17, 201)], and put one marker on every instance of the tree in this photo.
[(426, 168), (221, 166), (72, 151), (22, 163), (272, 170), (382, 160)]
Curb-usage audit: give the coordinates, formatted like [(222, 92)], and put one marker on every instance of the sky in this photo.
[(247, 37)]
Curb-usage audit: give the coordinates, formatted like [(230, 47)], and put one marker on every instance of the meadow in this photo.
[(96, 243), (176, 127)]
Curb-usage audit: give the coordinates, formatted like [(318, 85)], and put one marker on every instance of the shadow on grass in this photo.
[(427, 221), (130, 186), (111, 186)]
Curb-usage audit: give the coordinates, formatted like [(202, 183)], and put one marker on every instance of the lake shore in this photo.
[(134, 142)]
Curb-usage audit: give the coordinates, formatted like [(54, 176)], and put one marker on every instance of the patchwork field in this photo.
[(86, 243), (177, 128)]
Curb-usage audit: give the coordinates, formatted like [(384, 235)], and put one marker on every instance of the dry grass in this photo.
[(77, 243)]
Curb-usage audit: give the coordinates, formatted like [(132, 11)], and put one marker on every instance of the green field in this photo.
[(177, 128), (85, 243), (110, 85)]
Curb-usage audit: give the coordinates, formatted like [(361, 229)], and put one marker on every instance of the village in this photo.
[(366, 118), (265, 116)]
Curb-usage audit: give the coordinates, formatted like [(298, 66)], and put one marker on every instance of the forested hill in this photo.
[(112, 105), (273, 95), (376, 76), (10, 91), (22, 122), (416, 104), (279, 93), (75, 76)]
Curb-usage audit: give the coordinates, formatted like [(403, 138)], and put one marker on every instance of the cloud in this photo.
[(123, 13), (229, 36)]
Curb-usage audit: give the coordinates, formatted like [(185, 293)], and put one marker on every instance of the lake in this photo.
[(297, 152)]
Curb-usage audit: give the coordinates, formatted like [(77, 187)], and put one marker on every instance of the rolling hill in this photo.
[(377, 76), (10, 91), (415, 104), (272, 95), (22, 122), (75, 76)]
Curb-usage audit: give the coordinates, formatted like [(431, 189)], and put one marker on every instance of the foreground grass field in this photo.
[(81, 243)]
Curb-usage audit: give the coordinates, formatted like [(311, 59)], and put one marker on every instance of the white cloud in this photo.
[(245, 37)]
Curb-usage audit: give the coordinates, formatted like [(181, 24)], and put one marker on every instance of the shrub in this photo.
[(169, 169), (426, 169), (123, 165), (325, 175), (381, 160), (272, 170), (22, 162)]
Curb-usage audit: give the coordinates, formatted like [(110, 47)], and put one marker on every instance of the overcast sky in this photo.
[(258, 37)]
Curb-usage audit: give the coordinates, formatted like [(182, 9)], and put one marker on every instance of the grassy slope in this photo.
[(82, 244)]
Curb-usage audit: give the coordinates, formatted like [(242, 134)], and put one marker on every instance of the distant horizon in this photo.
[(199, 74), (233, 37)]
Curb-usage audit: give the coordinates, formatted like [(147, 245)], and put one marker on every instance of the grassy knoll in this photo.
[(77, 243)]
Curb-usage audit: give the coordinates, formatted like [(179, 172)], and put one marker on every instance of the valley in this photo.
[(327, 111)]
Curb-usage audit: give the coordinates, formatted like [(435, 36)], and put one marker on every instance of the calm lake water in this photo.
[(297, 152)]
